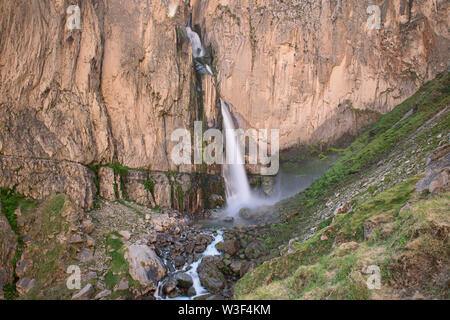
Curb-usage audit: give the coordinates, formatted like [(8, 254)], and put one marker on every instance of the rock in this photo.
[(90, 242), (345, 208), (210, 275), (245, 213), (75, 239), (216, 201), (85, 255), (87, 226), (179, 261), (145, 266), (122, 285), (184, 280), (106, 183), (191, 292), (170, 286), (39, 178), (230, 247), (236, 267), (125, 234), (8, 245), (85, 293), (254, 250), (91, 275), (103, 294), (440, 183), (25, 285), (228, 219)]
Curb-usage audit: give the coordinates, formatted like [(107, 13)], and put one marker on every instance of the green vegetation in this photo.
[(118, 265), (46, 253), (366, 151), (329, 265), (121, 172), (10, 202), (149, 185)]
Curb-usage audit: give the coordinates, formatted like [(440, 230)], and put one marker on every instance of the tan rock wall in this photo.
[(313, 69)]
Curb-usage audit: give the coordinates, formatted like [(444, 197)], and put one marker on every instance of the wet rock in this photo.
[(85, 293), (254, 250), (179, 261), (230, 247), (216, 201), (25, 285), (170, 286), (145, 266), (210, 275), (245, 213), (236, 267), (191, 292), (184, 280)]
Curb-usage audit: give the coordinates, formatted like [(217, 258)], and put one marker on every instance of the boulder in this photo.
[(245, 213), (125, 234), (122, 285), (216, 201), (25, 285), (210, 275), (85, 255), (254, 250), (229, 246), (102, 295), (145, 266), (85, 293), (184, 280)]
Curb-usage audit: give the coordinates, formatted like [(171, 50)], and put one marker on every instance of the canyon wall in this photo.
[(316, 69), (114, 90)]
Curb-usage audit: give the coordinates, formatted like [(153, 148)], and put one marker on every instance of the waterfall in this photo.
[(197, 48), (237, 187)]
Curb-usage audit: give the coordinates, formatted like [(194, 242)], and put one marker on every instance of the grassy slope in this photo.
[(316, 269)]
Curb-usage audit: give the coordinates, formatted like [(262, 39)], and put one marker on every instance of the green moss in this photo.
[(149, 185), (121, 172), (316, 264)]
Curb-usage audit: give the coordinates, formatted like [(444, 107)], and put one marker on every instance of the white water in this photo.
[(199, 289), (197, 48), (238, 192)]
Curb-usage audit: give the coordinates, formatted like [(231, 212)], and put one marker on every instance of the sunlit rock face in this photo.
[(116, 89), (316, 69), (112, 91)]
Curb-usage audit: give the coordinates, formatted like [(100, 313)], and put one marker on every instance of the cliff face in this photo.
[(113, 90), (315, 69), (116, 89)]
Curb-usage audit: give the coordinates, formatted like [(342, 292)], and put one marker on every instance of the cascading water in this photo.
[(238, 190)]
